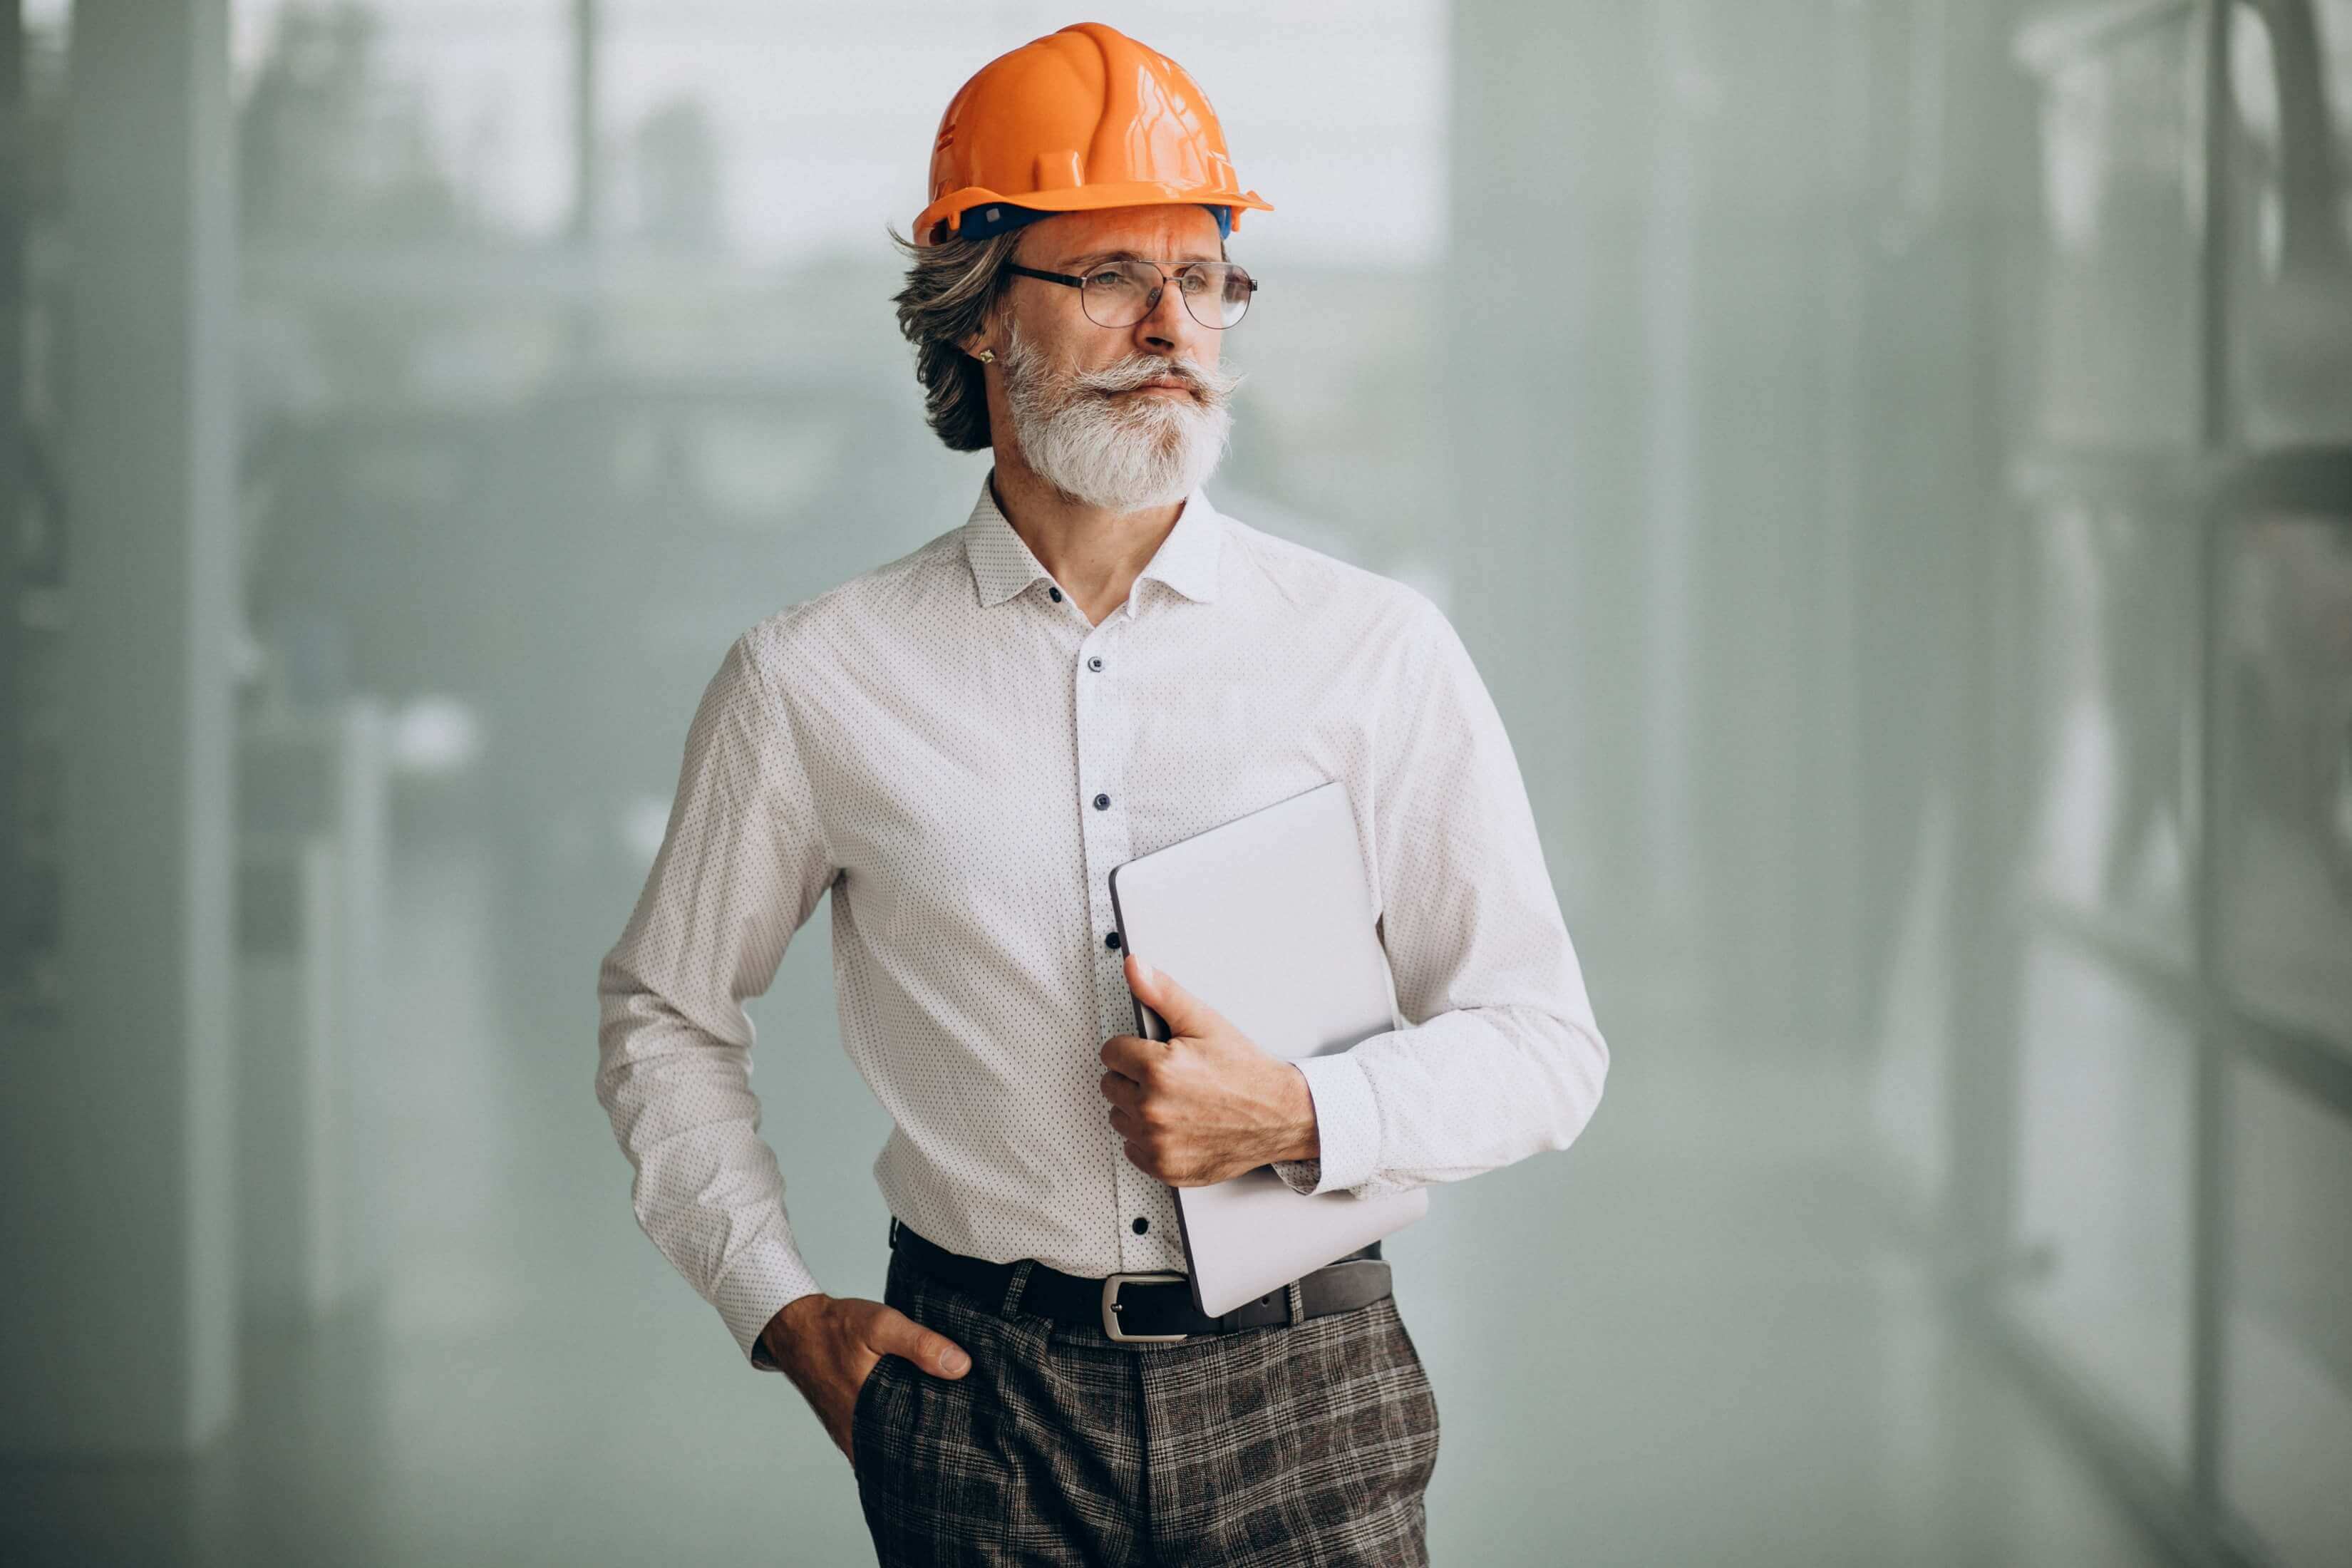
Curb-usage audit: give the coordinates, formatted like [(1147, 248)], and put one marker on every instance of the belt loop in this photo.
[(1013, 1287), (1298, 1296), (893, 1233)]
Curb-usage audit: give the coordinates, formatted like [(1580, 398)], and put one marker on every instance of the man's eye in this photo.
[(1112, 278)]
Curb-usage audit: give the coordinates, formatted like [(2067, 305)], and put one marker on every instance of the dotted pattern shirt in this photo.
[(949, 751)]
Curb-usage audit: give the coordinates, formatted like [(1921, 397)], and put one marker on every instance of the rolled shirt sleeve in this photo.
[(741, 865), (1502, 1058)]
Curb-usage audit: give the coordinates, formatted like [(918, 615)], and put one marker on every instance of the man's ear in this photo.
[(977, 342)]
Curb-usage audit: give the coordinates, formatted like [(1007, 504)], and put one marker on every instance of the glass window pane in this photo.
[(379, 127), (2285, 781), (2290, 230), (2103, 1190), (2286, 1404), (2121, 193), (2115, 654)]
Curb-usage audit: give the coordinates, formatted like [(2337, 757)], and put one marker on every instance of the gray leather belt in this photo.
[(1145, 1307)]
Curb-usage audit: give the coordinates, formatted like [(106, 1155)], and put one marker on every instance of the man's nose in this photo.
[(1165, 328)]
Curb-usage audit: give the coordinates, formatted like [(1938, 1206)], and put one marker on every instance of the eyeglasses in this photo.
[(1121, 293)]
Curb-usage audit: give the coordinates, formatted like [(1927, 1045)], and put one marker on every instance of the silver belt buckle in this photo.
[(1111, 1308)]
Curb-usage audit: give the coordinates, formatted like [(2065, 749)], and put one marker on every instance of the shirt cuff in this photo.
[(752, 1292), (1346, 1128)]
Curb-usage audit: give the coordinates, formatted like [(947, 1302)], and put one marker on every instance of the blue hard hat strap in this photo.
[(996, 217)]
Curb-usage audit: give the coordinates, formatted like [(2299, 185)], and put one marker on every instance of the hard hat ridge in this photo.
[(1080, 119)]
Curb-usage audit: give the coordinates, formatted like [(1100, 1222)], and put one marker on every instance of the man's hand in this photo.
[(827, 1345), (1207, 1104)]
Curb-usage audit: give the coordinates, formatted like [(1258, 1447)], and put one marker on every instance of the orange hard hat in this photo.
[(1081, 119)]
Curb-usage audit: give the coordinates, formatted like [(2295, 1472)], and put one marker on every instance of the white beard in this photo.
[(1120, 453)]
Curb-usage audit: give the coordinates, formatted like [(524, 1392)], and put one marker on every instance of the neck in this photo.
[(1094, 553)]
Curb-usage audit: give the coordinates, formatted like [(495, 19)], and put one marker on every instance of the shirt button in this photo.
[(1111, 940), (1056, 593), (1095, 663), (1102, 803), (1141, 1225)]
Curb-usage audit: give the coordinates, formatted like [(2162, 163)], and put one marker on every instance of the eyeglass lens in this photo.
[(1121, 293)]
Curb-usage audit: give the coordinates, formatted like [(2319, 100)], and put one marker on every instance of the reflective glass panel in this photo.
[(2285, 732), (2121, 176), (2290, 229), (2102, 1204), (2114, 646), (2286, 1406)]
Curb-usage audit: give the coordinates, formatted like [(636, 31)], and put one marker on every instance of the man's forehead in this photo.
[(1163, 233)]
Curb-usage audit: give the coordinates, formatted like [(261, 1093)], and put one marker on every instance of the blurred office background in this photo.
[(1891, 459)]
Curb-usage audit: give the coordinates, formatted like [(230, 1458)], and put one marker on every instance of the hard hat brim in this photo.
[(949, 210)]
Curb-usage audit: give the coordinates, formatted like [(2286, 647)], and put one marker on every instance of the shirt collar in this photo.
[(1003, 563)]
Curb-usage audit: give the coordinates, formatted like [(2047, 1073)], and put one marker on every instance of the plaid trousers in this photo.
[(1310, 1443)]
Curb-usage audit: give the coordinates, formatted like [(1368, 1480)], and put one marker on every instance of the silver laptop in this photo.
[(1268, 920)]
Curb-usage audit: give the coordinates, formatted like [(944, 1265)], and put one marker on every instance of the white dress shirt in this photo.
[(947, 746)]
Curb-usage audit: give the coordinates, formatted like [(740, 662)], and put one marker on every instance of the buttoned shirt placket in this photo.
[(1105, 736)]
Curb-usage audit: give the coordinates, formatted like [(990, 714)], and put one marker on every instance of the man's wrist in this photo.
[(787, 1323), (1304, 1141)]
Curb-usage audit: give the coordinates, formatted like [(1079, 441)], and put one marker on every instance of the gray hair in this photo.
[(951, 288)]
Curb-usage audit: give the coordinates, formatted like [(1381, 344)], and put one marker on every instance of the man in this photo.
[(958, 747)]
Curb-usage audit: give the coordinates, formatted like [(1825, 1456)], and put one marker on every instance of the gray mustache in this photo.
[(1211, 384)]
